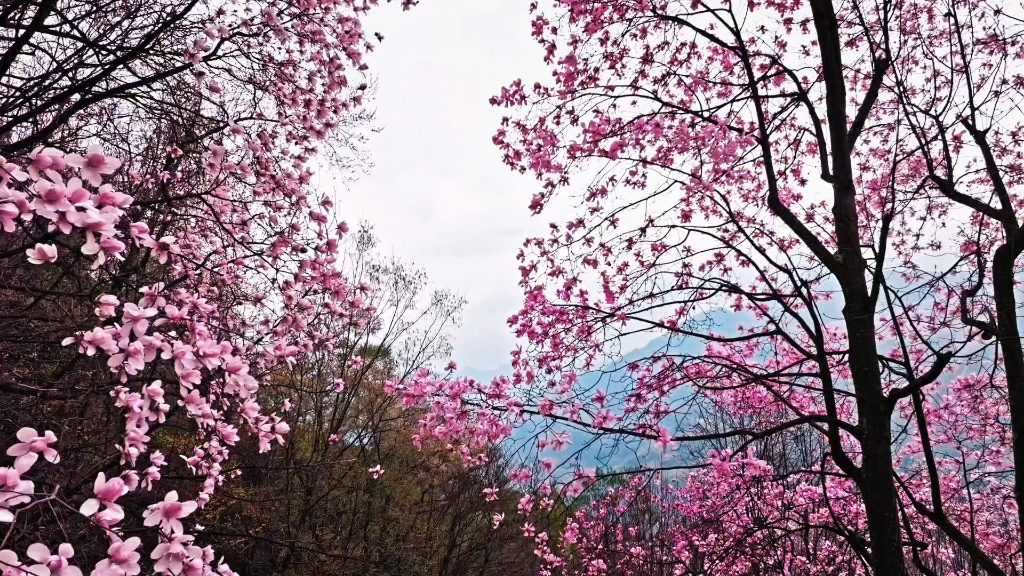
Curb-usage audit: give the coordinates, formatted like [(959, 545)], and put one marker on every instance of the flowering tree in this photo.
[(347, 493), (162, 254), (810, 209)]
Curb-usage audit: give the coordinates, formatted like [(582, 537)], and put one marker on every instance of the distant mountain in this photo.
[(608, 452)]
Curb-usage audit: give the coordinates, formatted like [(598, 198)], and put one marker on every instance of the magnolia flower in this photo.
[(179, 556), (140, 233), (10, 170), (47, 160), (106, 493), (121, 560), (376, 471), (137, 319), (547, 465), (168, 514), (165, 247), (51, 199), (526, 504), (152, 474), (497, 519), (490, 494), (41, 253), (520, 475), (559, 440), (279, 428), (192, 57), (13, 490), (11, 566), (31, 444), (107, 196), (94, 164), (57, 563), (106, 306), (108, 247), (9, 213), (77, 194), (95, 339)]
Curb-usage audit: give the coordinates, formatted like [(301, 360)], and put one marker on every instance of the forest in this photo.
[(772, 326)]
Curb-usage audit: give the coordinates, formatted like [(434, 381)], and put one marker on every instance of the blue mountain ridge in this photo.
[(601, 451)]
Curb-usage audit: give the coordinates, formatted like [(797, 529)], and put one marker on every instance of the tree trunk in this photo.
[(877, 485), (1013, 361)]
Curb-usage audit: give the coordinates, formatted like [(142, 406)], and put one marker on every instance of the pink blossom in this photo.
[(279, 428), (177, 555), (106, 306), (46, 160), (108, 247), (130, 361), (121, 560), (94, 165), (77, 195), (98, 339), (56, 563), (165, 247), (14, 491), (11, 566), (140, 233), (107, 196), (9, 214), (376, 471), (559, 440), (107, 493), (168, 513), (525, 505), (51, 199), (93, 222), (31, 444), (137, 319), (42, 253), (10, 170)]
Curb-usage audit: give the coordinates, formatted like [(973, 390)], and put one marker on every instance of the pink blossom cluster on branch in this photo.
[(170, 326), (810, 212), (219, 268)]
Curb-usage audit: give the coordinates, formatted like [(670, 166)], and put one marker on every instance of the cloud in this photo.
[(438, 194)]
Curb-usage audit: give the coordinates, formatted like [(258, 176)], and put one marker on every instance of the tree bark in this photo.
[(878, 490), (1013, 362)]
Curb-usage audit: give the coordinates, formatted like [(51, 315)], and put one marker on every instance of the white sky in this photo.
[(439, 195)]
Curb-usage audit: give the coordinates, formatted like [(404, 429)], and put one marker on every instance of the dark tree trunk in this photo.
[(1013, 361), (877, 484)]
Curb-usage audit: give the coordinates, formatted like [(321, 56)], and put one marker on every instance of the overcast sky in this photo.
[(438, 194)]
